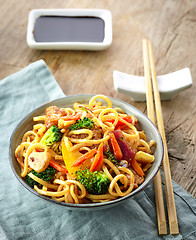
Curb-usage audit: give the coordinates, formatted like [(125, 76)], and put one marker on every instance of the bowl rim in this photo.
[(86, 205)]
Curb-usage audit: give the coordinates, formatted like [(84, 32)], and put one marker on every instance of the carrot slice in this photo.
[(58, 167), (137, 167), (115, 147), (100, 162), (85, 156), (98, 159)]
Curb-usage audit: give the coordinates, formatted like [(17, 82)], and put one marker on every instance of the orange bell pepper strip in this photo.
[(98, 159), (70, 157), (81, 159), (58, 167), (116, 149), (137, 167)]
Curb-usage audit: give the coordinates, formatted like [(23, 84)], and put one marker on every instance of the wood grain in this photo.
[(170, 25)]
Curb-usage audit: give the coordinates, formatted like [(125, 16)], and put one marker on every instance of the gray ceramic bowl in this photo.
[(150, 130)]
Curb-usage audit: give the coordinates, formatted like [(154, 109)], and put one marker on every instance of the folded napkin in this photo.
[(26, 216)]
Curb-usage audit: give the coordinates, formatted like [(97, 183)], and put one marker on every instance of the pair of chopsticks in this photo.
[(151, 80)]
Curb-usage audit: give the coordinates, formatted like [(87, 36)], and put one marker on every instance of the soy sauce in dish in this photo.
[(69, 29)]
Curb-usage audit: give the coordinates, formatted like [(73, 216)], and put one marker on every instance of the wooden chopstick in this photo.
[(172, 216), (161, 219), (171, 208)]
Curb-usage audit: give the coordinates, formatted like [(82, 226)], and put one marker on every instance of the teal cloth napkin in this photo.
[(25, 216)]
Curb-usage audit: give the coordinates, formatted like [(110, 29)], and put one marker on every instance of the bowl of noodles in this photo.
[(85, 151)]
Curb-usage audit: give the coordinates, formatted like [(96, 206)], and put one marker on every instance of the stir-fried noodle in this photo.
[(94, 137)]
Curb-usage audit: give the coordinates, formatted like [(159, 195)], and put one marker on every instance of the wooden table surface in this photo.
[(170, 25)]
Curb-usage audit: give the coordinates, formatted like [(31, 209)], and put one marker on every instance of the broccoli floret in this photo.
[(95, 182), (111, 157), (48, 175), (52, 135), (82, 123)]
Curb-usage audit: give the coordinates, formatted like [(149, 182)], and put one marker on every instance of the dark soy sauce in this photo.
[(69, 29)]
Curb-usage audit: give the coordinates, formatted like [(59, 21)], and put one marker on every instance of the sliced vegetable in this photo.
[(98, 159), (84, 157), (115, 146), (58, 167), (70, 157), (137, 167), (120, 123), (127, 152), (144, 158)]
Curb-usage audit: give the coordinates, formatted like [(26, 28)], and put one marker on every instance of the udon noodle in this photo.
[(112, 130)]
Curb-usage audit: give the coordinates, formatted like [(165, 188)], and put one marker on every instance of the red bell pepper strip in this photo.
[(120, 123)]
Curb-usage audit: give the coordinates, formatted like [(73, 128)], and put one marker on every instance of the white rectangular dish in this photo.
[(69, 29)]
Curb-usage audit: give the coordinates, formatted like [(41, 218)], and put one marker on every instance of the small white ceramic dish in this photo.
[(169, 84), (103, 14)]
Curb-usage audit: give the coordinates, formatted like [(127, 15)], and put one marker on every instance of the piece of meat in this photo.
[(79, 136), (39, 161), (97, 134), (53, 114), (138, 180)]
